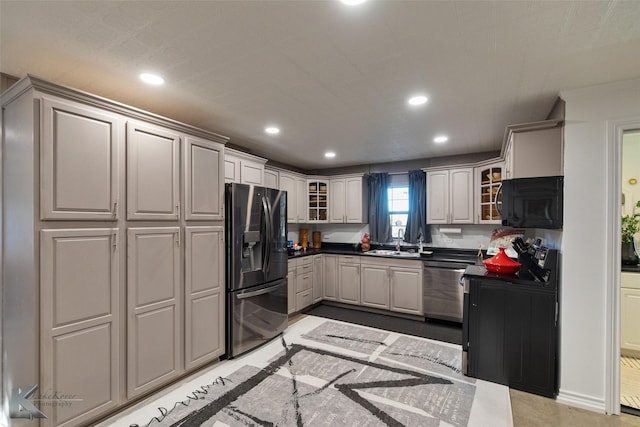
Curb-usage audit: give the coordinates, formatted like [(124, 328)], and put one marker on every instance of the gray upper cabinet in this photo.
[(204, 294), (534, 149), (243, 168), (152, 172), (204, 173), (450, 196), (79, 169), (80, 318), (348, 200), (154, 323)]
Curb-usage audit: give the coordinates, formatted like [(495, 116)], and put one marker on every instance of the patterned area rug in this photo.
[(329, 373)]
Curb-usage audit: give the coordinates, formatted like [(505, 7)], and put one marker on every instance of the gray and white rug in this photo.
[(328, 373)]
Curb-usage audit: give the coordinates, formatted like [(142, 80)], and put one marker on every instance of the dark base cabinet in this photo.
[(512, 335)]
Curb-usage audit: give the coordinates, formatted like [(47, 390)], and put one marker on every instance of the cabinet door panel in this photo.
[(152, 172), (79, 177), (154, 319), (251, 173), (66, 281), (231, 169), (437, 197), (203, 179), (288, 184), (406, 290), (205, 329), (337, 192), (204, 290), (353, 201), (349, 282), (330, 290), (271, 178), (301, 199), (461, 193), (630, 319), (79, 301), (154, 351), (375, 286), (82, 368), (291, 287), (318, 276)]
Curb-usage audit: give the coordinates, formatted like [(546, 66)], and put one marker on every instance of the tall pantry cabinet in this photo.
[(113, 251)]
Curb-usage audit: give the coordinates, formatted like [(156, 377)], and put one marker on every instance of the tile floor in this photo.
[(530, 410)]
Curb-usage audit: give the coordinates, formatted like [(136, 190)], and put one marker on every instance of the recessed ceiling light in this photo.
[(440, 139), (272, 130), (152, 79), (352, 2), (330, 154), (417, 100)]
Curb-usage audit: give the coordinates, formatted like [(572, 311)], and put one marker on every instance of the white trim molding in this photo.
[(615, 131), (579, 400)]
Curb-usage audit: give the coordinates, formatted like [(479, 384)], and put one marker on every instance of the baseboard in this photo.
[(583, 401), (371, 310)]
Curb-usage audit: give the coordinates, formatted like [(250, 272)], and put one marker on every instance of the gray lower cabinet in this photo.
[(154, 324), (375, 286), (291, 286), (79, 293), (406, 290), (349, 279), (318, 274), (304, 283), (204, 294), (330, 270)]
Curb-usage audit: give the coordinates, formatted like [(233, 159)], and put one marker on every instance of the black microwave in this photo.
[(532, 202)]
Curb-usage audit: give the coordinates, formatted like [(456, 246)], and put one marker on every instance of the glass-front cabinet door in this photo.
[(317, 198), (489, 201)]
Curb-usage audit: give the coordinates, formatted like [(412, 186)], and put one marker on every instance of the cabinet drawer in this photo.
[(304, 268), (304, 282), (304, 300), (308, 260)]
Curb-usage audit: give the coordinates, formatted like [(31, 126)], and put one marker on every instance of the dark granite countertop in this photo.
[(354, 249), (522, 277), (631, 268)]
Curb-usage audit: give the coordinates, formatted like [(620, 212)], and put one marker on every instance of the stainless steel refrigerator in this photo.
[(256, 265)]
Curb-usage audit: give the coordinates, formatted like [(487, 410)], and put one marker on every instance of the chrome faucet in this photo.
[(400, 237)]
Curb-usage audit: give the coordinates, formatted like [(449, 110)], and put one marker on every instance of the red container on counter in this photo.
[(501, 263)]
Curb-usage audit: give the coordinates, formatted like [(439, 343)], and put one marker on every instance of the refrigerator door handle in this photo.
[(267, 234), (259, 291)]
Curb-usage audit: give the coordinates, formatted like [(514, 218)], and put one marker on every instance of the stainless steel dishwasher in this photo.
[(443, 293)]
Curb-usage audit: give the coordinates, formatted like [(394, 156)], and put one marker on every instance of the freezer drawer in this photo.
[(256, 315)]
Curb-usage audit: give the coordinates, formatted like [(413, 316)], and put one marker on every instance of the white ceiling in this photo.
[(331, 76)]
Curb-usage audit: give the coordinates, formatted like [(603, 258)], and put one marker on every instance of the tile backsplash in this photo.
[(464, 236)]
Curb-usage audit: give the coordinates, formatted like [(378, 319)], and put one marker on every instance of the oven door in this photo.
[(256, 315)]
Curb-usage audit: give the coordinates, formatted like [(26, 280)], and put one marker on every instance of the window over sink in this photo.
[(398, 208)]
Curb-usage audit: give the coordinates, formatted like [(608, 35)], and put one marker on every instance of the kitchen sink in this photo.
[(392, 253)]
